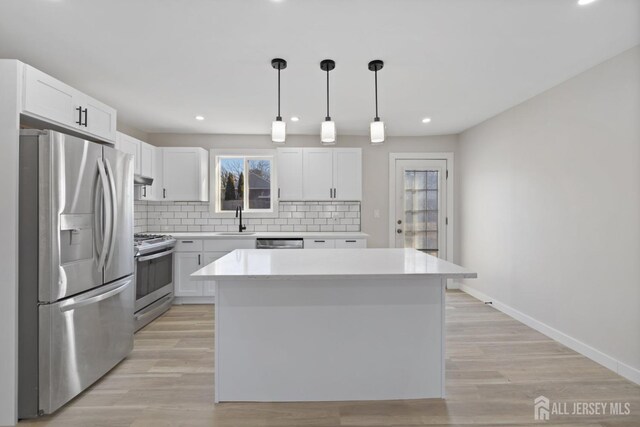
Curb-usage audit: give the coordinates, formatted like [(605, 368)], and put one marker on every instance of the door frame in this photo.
[(449, 228)]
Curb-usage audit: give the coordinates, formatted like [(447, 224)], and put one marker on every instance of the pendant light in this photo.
[(376, 127), (278, 127), (328, 129)]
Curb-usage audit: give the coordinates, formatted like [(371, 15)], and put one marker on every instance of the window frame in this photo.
[(246, 155)]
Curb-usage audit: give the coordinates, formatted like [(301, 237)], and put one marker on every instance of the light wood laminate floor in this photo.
[(496, 366)]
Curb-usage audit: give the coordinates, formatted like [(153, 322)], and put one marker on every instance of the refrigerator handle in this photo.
[(114, 209), (107, 216)]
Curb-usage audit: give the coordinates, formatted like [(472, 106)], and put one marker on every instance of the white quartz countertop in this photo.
[(328, 263), (266, 235)]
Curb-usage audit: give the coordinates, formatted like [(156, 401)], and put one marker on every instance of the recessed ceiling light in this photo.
[(199, 117), (585, 2), (426, 120), (295, 119)]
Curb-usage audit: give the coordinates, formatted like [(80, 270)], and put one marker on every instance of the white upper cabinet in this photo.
[(185, 174), (347, 173), (289, 173), (157, 189), (147, 152), (130, 145), (332, 174), (46, 98), (318, 173)]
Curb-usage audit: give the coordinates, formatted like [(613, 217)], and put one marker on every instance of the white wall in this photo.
[(549, 198), (9, 135), (375, 164)]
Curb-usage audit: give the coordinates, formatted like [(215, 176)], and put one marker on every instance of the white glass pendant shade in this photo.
[(278, 131), (377, 132), (328, 132)]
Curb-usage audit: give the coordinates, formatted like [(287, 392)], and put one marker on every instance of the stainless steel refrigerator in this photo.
[(76, 285)]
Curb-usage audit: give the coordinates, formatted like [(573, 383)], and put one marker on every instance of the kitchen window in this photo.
[(244, 180)]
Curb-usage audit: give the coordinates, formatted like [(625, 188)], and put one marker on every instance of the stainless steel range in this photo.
[(154, 276)]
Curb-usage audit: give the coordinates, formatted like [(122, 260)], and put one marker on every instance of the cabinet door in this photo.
[(187, 263), (146, 160), (183, 176), (317, 173), (289, 173), (99, 119), (319, 243), (209, 286), (130, 146), (49, 98), (351, 243), (158, 185), (347, 173)]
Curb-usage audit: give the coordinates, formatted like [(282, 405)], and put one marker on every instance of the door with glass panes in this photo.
[(420, 206)]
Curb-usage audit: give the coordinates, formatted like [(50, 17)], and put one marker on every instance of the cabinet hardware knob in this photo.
[(399, 231)]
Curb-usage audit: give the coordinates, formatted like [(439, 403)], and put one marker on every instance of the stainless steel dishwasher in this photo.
[(280, 243)]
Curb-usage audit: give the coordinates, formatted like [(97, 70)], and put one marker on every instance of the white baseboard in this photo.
[(194, 300), (626, 371)]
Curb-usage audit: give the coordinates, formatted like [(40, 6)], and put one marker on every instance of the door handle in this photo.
[(79, 110), (144, 191), (331, 193), (164, 193), (86, 116), (81, 301), (334, 193), (114, 209), (199, 259), (278, 192), (107, 216)]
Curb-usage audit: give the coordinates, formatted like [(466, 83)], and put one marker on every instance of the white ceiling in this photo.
[(161, 62)]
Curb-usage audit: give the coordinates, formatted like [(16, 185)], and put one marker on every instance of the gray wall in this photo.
[(550, 209), (375, 163)]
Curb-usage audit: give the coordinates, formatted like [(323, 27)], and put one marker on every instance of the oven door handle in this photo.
[(154, 256)]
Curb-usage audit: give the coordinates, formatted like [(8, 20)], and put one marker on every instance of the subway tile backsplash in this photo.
[(292, 216)]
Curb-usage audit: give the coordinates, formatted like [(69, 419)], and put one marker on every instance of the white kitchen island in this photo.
[(329, 324)]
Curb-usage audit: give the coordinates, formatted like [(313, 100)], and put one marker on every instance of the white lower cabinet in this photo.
[(334, 243), (319, 243), (209, 286), (351, 243), (187, 263), (193, 254)]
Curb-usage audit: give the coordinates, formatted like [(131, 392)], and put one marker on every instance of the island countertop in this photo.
[(327, 263)]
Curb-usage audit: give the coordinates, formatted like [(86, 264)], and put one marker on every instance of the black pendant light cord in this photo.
[(279, 117), (376, 77), (328, 117)]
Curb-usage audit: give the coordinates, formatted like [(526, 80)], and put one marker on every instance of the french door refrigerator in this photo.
[(76, 285)]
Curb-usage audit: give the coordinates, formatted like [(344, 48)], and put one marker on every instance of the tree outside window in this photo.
[(245, 182)]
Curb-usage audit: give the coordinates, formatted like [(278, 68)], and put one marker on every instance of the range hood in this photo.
[(142, 180)]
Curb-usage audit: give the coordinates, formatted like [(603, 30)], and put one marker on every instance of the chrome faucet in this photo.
[(241, 227)]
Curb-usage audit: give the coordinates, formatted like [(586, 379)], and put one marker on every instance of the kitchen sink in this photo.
[(235, 233)]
